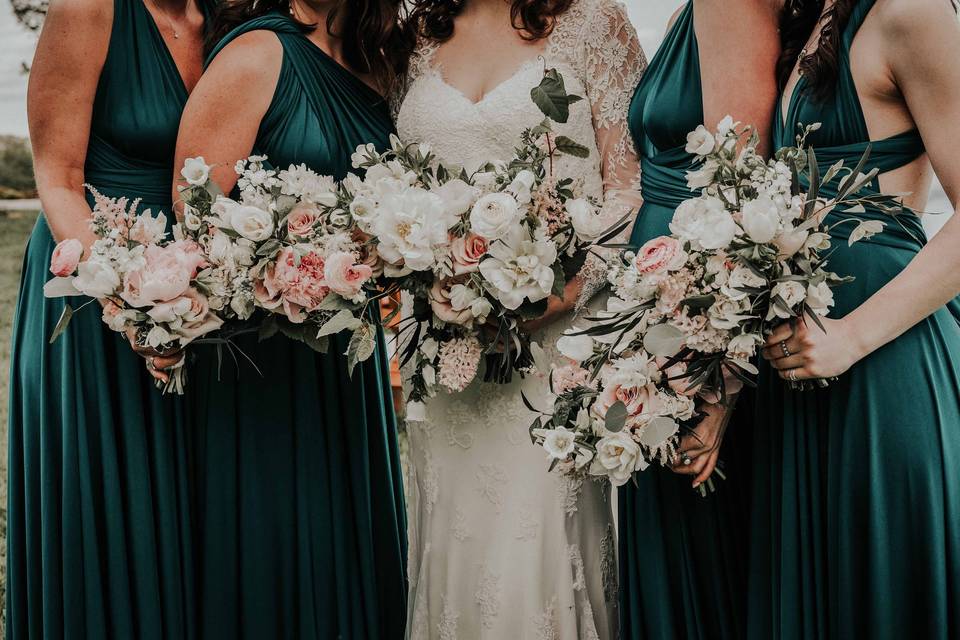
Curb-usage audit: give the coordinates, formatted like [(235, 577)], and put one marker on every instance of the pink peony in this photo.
[(467, 251), (298, 288), (301, 219), (165, 276), (66, 256), (344, 276), (659, 255), (443, 308)]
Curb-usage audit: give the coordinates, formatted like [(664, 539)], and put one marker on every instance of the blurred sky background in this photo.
[(16, 47)]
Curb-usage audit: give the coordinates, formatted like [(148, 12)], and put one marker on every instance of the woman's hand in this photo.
[(801, 350), (556, 307), (158, 363), (702, 447)]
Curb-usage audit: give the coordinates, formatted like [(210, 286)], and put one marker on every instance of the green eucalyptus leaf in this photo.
[(62, 323), (663, 340), (344, 320), (616, 417)]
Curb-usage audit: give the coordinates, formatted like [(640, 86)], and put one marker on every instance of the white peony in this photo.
[(518, 268), (494, 215), (409, 224), (559, 443), (618, 457), (705, 223), (575, 347), (195, 171), (96, 279), (760, 219), (457, 196)]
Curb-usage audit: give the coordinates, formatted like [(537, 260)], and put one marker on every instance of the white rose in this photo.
[(577, 348), (518, 268), (820, 298), (253, 223), (726, 313), (585, 220), (618, 457), (559, 443), (761, 219), (457, 197), (700, 141), (195, 171), (791, 292), (494, 215)]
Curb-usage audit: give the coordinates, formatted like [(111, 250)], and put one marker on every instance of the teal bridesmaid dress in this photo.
[(99, 530), (301, 517), (682, 556), (856, 527)]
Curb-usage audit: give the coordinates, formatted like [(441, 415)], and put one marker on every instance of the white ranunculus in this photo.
[(705, 223), (253, 223), (761, 219), (522, 185), (96, 279), (577, 348), (518, 268), (820, 298), (791, 292), (457, 197), (700, 141), (559, 443), (618, 457), (494, 215), (409, 224), (195, 171), (584, 218)]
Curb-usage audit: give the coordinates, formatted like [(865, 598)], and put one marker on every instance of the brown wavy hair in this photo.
[(534, 19), (820, 68), (375, 40)]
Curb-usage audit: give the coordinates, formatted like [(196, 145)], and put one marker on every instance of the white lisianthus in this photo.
[(559, 443), (518, 268), (702, 177), (495, 215), (705, 223), (457, 197), (251, 222), (409, 224), (700, 141), (726, 125), (760, 219), (618, 457), (575, 347), (195, 171), (364, 153), (584, 218), (820, 298), (522, 185), (791, 292)]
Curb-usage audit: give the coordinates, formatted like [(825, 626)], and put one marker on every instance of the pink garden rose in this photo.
[(189, 316), (301, 219), (638, 400), (165, 276), (659, 255), (467, 251), (66, 256), (298, 288), (443, 308), (344, 275)]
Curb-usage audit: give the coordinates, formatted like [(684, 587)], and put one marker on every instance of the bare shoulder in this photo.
[(675, 16), (915, 18), (253, 57), (81, 18)]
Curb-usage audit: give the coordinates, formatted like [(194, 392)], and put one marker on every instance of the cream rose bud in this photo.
[(559, 442), (457, 197), (790, 242), (584, 218), (494, 215), (195, 171), (760, 220), (522, 185), (791, 292), (66, 256), (575, 347), (700, 141), (253, 223), (618, 457), (820, 298)]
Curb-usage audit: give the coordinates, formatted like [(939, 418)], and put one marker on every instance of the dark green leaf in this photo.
[(62, 323), (571, 148)]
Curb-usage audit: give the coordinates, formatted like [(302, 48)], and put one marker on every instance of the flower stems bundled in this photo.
[(690, 310)]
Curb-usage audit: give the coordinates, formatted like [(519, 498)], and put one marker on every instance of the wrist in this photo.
[(859, 338)]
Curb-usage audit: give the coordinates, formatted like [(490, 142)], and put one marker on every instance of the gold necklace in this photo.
[(173, 27)]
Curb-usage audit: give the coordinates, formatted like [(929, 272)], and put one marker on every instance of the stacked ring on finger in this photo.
[(150, 364), (792, 375), (785, 349), (685, 459)]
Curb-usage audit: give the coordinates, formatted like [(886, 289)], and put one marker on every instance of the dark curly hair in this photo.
[(820, 68), (534, 19), (375, 39)]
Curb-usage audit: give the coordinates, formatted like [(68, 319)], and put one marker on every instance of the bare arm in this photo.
[(63, 81), (223, 115)]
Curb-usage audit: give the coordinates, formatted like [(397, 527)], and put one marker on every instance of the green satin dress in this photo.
[(301, 517), (856, 527), (682, 556), (99, 531)]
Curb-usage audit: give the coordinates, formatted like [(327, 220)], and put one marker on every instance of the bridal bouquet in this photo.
[(285, 246), (480, 252), (156, 287), (689, 311)]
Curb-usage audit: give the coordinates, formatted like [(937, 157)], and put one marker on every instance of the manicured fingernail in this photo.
[(696, 484)]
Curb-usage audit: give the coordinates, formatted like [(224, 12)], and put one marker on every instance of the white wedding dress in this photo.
[(500, 549)]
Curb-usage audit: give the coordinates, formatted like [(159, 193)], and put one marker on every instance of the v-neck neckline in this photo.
[(155, 28)]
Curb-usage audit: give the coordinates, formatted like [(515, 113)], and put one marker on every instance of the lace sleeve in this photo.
[(611, 61), (420, 62)]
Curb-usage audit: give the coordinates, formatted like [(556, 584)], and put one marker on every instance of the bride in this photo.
[(499, 548)]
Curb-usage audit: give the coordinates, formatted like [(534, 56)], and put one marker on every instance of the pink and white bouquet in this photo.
[(288, 250), (479, 252), (689, 311), (150, 285)]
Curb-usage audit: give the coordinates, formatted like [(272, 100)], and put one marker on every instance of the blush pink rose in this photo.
[(189, 316), (66, 256), (638, 400), (442, 306), (297, 287), (467, 251), (568, 377), (301, 220), (165, 276), (344, 276), (659, 255)]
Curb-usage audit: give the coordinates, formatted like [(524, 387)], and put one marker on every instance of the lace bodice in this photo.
[(595, 48)]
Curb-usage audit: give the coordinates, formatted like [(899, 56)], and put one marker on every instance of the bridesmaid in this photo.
[(857, 498), (682, 556), (98, 538), (300, 510)]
